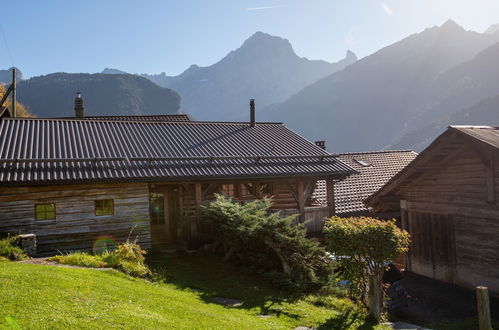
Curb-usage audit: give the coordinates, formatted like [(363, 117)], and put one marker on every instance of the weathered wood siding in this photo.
[(454, 225), (76, 227), (314, 218), (282, 196)]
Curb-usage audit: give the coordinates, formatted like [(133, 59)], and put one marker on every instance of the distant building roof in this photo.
[(37, 150), (374, 169)]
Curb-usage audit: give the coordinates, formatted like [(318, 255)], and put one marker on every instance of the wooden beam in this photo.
[(330, 197), (198, 194), (256, 190), (208, 190), (301, 197), (308, 190)]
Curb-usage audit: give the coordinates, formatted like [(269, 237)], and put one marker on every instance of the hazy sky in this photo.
[(152, 36)]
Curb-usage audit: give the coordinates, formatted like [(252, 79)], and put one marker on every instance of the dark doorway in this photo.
[(164, 210)]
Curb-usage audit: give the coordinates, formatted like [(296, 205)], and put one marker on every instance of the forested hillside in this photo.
[(122, 94)]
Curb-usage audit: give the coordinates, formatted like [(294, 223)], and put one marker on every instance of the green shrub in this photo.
[(255, 238), (10, 250), (128, 258), (363, 247)]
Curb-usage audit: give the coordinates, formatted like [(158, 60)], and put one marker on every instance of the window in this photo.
[(157, 208), (363, 163), (247, 189), (104, 207), (44, 212), (228, 190)]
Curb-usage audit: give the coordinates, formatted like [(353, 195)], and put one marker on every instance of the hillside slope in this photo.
[(39, 296), (485, 112), (121, 94), (374, 101)]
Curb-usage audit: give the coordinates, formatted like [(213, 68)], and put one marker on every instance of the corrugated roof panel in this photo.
[(28, 148)]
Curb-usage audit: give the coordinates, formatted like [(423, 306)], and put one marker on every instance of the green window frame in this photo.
[(45, 211), (104, 207)]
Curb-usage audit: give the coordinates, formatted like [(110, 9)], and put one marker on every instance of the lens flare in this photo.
[(104, 243)]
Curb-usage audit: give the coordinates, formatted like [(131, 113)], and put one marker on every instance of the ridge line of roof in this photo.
[(372, 152), (474, 126), (143, 122)]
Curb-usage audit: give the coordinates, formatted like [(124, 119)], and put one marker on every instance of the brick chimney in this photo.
[(78, 105), (321, 144), (252, 113)]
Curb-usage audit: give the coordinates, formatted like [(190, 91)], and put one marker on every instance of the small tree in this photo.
[(265, 241), (363, 247)]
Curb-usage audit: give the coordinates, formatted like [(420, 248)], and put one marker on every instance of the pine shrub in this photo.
[(255, 238)]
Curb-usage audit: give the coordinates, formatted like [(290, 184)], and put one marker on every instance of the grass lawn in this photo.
[(37, 296)]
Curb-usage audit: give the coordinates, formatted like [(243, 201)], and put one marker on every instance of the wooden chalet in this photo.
[(77, 181), (448, 197)]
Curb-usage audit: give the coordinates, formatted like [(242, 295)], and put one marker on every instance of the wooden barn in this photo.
[(75, 182), (448, 197)]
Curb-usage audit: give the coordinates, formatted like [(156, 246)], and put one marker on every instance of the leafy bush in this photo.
[(255, 238), (128, 258), (10, 250), (364, 246)]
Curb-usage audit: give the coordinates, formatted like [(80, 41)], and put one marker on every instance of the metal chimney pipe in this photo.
[(252, 113), (321, 144), (78, 105)]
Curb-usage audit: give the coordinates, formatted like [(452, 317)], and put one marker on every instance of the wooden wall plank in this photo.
[(76, 226)]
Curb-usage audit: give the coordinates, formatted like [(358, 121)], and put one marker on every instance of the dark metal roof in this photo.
[(374, 169), (486, 134), (176, 117), (39, 150)]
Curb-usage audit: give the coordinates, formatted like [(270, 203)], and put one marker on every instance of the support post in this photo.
[(483, 304), (330, 197), (404, 215), (14, 111), (301, 203), (375, 296), (198, 193)]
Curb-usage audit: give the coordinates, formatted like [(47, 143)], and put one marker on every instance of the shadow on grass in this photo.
[(348, 320), (207, 274)]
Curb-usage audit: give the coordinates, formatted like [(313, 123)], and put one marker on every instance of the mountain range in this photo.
[(265, 68), (374, 102), (401, 96), (52, 95)]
